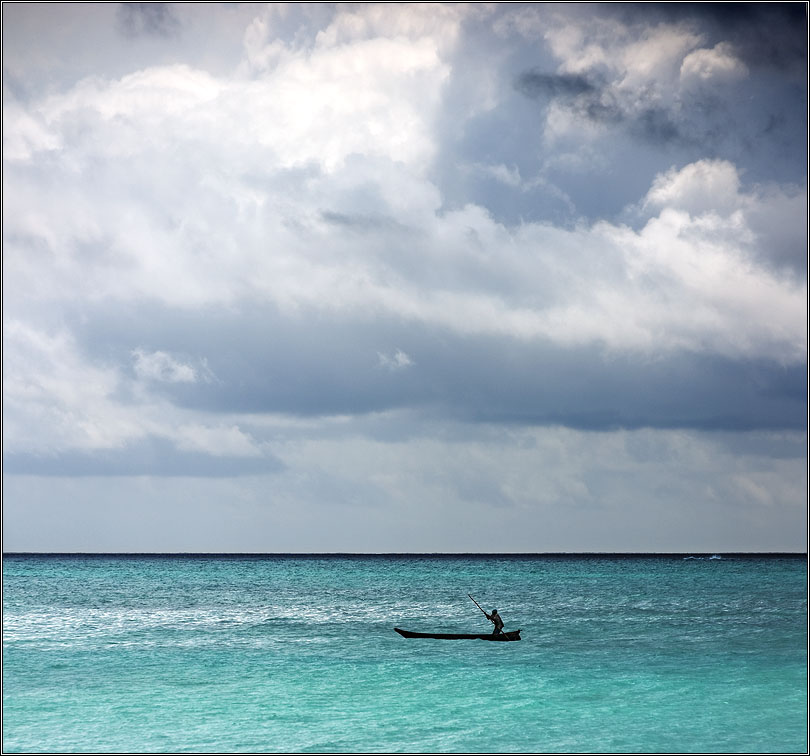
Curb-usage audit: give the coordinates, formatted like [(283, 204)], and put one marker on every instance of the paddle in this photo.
[(487, 616)]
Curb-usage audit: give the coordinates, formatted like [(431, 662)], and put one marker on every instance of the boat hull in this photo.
[(512, 635)]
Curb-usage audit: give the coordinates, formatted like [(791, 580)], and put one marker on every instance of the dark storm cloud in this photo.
[(756, 119), (758, 123), (264, 362), (153, 456), (656, 125), (763, 34), (598, 103), (538, 84), (138, 19), (653, 124)]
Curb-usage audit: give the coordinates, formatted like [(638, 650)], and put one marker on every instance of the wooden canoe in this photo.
[(512, 635)]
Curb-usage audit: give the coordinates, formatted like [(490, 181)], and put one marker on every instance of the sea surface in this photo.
[(201, 653)]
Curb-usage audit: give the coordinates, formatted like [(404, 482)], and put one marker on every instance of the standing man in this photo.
[(496, 620)]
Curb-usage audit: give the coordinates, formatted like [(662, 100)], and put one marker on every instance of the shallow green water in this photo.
[(291, 654)]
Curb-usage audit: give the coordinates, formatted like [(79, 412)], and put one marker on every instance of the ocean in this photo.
[(297, 653)]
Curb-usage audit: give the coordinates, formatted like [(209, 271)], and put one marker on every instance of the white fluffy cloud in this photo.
[(703, 187), (216, 230), (718, 63)]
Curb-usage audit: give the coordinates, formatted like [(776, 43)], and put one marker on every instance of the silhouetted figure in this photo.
[(496, 620)]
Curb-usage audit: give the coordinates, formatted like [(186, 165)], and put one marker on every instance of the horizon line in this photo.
[(404, 553)]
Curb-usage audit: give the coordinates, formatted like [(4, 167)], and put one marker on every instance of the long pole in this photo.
[(486, 615)]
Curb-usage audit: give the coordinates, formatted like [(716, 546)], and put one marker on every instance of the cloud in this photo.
[(702, 187), (136, 19), (65, 412), (684, 81), (539, 84), (373, 258), (396, 361), (291, 305), (575, 98), (150, 456), (279, 238), (718, 63), (343, 368), (159, 366), (54, 399), (555, 490), (773, 217), (763, 35)]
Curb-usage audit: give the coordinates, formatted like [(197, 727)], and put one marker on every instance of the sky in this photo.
[(488, 277)]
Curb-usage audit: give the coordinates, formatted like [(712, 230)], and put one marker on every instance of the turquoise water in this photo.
[(295, 654)]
